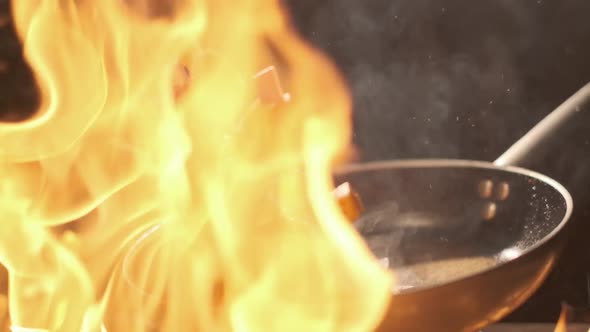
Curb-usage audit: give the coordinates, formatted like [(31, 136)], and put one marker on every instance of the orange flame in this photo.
[(129, 205), (564, 317), (561, 323)]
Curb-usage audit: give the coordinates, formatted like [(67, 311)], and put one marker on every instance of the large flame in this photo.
[(128, 205)]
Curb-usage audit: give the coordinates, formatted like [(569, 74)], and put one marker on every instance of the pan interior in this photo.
[(435, 222)]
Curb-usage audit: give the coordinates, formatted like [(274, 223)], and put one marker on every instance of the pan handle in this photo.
[(541, 132)]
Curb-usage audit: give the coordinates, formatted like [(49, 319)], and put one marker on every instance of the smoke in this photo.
[(429, 78)]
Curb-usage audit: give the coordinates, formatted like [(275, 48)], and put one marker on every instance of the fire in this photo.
[(138, 200), (563, 318)]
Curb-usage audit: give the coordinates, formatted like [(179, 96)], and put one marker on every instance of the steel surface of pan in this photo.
[(468, 241)]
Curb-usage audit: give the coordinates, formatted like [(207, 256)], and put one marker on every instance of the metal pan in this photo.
[(468, 241)]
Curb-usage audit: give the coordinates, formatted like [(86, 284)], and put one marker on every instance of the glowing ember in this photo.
[(137, 199)]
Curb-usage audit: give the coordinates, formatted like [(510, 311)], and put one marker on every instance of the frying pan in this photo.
[(468, 241)]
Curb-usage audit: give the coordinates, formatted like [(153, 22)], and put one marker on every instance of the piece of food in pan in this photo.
[(349, 201)]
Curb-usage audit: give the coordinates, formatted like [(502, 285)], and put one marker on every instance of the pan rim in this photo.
[(450, 163)]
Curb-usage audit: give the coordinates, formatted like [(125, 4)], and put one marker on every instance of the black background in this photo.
[(441, 79)]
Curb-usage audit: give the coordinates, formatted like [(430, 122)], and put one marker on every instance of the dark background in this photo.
[(465, 79), (441, 79)]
